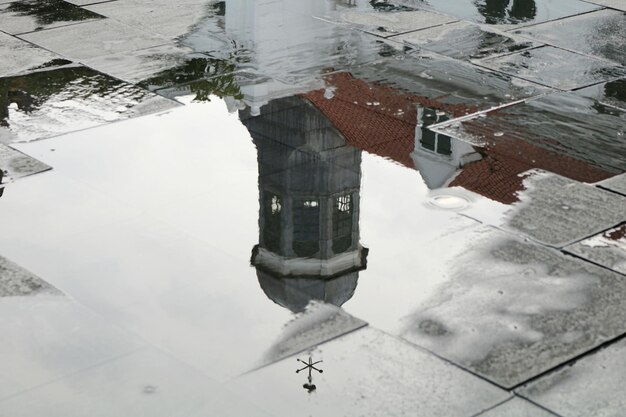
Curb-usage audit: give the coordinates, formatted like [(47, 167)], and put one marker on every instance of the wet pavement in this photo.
[(339, 208)]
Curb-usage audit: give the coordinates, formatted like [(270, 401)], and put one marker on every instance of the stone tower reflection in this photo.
[(309, 196)]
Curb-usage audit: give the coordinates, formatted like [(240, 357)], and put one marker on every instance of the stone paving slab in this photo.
[(614, 4), (464, 40), (56, 101), (15, 164), (567, 133), (146, 382), (617, 184), (512, 310), (517, 407), (141, 65), (607, 249), (165, 18), (609, 94), (400, 379), (23, 16), (390, 23), (557, 211), (591, 387), (503, 14), (555, 67), (600, 34), (19, 56), (18, 282), (92, 39), (47, 336)]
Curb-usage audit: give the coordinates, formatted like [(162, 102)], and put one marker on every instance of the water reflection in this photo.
[(507, 11), (309, 195)]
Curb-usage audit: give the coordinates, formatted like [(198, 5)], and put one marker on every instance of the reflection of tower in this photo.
[(309, 185)]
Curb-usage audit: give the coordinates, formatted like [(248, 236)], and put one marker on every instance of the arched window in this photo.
[(272, 210), (306, 227), (342, 223)]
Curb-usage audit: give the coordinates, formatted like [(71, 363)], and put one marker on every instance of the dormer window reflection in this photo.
[(429, 140)]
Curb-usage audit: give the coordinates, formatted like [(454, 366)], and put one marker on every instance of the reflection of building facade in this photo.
[(309, 194)]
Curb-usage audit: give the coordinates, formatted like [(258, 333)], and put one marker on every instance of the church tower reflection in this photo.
[(309, 195)]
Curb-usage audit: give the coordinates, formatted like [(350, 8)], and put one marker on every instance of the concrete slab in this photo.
[(607, 249), (550, 204), (587, 388), (25, 16), (512, 310), (391, 23), (608, 94), (164, 18), (138, 66), (567, 133), (369, 372), (19, 56), (600, 34), (503, 14), (555, 67), (48, 336), (15, 164), (464, 40), (56, 101), (146, 382), (617, 184), (517, 407), (614, 4), (18, 282), (92, 39)]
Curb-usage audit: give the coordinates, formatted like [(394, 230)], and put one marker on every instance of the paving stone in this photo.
[(161, 17), (91, 39), (572, 134), (15, 164), (464, 40), (504, 13), (610, 94), (369, 372), (137, 66), (456, 87), (55, 101), (23, 16), (600, 34), (617, 184), (614, 4), (18, 282), (606, 249), (517, 407), (587, 388), (146, 382), (391, 23), (555, 67), (19, 56), (550, 204), (47, 336), (512, 310)]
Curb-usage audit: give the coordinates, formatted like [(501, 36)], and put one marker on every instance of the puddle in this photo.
[(23, 16)]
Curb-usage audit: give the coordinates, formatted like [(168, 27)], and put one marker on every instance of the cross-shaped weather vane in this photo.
[(310, 366)]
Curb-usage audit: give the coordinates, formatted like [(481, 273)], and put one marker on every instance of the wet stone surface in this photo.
[(555, 68), (51, 102), (513, 310), (587, 387), (517, 407), (552, 133), (435, 387), (616, 184), (23, 16), (599, 34), (19, 56), (17, 282), (15, 164), (504, 13), (607, 249), (466, 41)]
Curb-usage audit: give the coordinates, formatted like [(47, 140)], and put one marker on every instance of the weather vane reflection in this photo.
[(310, 366)]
